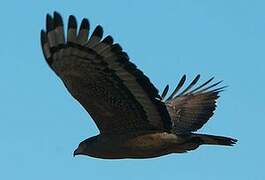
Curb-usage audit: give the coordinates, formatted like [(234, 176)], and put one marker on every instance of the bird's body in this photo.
[(145, 144), (133, 119), (134, 145)]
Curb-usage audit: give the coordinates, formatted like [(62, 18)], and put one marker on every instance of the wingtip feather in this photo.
[(180, 84), (108, 40), (194, 81), (165, 91), (85, 24), (58, 20), (49, 23), (98, 31), (43, 37), (72, 23)]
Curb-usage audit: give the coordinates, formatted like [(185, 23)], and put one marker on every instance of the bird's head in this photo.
[(86, 147)]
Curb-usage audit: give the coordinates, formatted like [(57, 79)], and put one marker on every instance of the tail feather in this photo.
[(213, 140)]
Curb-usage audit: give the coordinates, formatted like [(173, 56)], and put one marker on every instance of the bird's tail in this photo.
[(212, 140)]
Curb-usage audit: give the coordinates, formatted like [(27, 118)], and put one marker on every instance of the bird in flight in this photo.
[(133, 119)]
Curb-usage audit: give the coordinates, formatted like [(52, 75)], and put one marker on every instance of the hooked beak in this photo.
[(76, 152)]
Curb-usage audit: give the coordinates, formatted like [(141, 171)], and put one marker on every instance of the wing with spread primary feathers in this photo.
[(192, 108), (117, 95)]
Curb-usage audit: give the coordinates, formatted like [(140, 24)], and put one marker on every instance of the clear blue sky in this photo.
[(41, 124)]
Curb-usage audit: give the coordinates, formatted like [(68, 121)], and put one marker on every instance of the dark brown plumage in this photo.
[(133, 119)]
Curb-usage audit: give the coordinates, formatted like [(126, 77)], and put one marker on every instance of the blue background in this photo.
[(41, 124)]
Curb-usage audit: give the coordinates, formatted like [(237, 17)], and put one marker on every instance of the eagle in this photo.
[(133, 119)]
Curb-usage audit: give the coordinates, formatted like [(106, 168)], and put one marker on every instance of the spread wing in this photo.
[(192, 108), (117, 95)]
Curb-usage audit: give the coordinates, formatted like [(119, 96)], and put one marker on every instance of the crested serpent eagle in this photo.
[(134, 120)]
